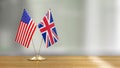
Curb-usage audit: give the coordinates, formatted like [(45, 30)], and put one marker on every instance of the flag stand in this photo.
[(37, 57)]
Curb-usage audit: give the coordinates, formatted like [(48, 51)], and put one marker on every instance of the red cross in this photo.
[(48, 29)]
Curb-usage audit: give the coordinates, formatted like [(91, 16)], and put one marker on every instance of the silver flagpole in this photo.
[(35, 57), (40, 47), (34, 48), (40, 57)]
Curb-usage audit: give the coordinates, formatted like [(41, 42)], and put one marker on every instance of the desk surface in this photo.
[(60, 62)]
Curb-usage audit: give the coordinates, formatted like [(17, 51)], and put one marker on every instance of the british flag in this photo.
[(48, 30)]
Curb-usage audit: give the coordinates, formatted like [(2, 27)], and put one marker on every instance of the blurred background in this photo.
[(85, 27)]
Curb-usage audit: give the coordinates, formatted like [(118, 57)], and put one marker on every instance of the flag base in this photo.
[(37, 58)]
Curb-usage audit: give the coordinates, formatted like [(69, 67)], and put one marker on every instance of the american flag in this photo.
[(26, 30), (48, 30)]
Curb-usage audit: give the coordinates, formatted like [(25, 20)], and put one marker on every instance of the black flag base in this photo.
[(37, 58)]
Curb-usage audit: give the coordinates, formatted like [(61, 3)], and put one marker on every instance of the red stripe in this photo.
[(30, 34), (17, 39), (31, 37), (17, 33), (22, 33), (26, 33), (19, 36)]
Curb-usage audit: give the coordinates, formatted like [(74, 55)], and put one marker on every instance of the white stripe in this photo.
[(101, 63)]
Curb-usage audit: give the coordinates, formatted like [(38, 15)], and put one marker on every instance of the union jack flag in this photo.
[(48, 30)]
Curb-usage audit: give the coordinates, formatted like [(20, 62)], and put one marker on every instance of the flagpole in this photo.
[(40, 47), (40, 57), (35, 57), (34, 48)]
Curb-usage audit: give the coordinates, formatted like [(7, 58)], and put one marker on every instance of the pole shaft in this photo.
[(34, 48), (40, 47)]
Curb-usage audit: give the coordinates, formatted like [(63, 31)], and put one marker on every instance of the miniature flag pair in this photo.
[(27, 28)]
